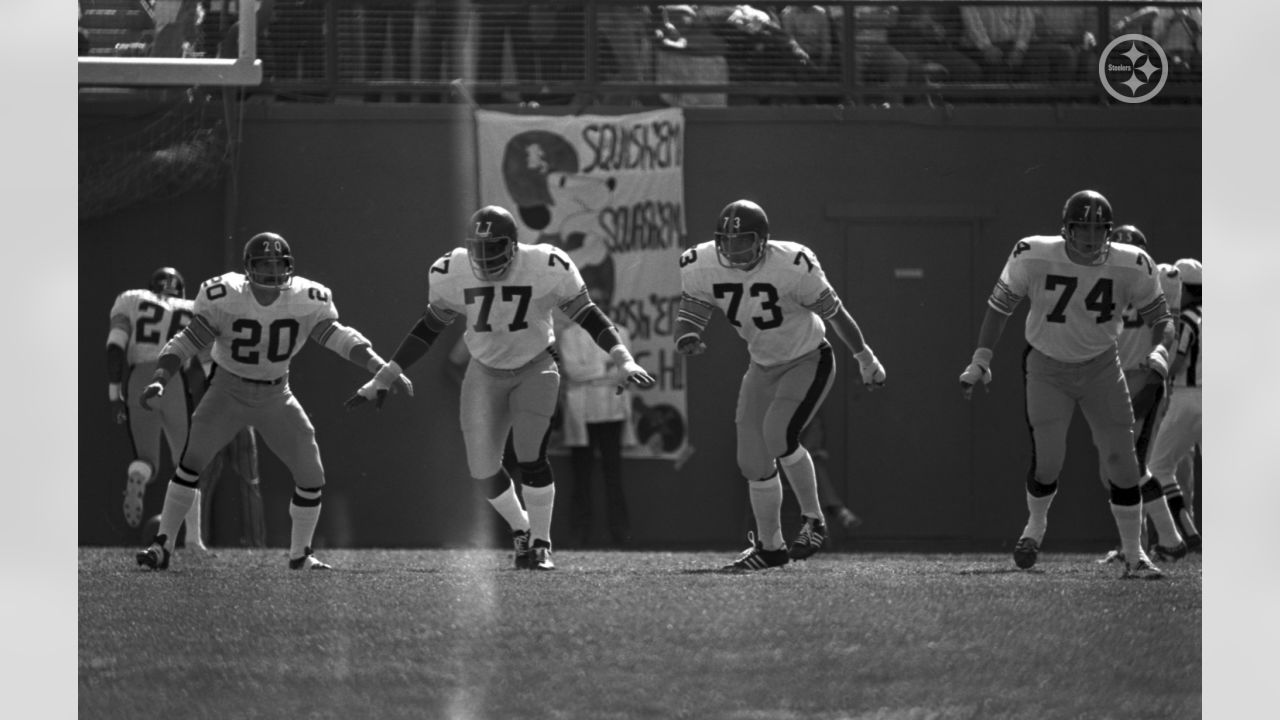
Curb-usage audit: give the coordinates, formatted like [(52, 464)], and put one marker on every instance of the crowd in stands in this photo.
[(534, 50)]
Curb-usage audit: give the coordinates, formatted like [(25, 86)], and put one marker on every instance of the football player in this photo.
[(507, 292), (774, 293), (142, 321), (1147, 396), (255, 321), (1180, 430), (1078, 283)]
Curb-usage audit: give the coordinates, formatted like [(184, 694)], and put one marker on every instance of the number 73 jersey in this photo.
[(777, 306), (1075, 308)]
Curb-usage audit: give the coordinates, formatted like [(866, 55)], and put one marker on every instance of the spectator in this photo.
[(595, 417), (757, 49), (388, 24), (498, 23), (177, 28), (627, 53), (812, 29), (1177, 30), (927, 36), (875, 60), (998, 39), (1067, 34), (688, 52), (440, 49)]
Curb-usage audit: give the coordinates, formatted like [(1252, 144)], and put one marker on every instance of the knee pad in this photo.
[(1151, 490), (1125, 496), (1037, 489), (141, 468), (536, 473), (307, 497)]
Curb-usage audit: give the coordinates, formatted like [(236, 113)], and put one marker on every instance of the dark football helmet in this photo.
[(491, 242), (1086, 224), (268, 261), (740, 235), (167, 281), (1128, 234)]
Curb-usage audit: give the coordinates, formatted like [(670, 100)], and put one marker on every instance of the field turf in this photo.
[(458, 635)]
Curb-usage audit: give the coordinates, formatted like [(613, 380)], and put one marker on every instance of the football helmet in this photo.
[(741, 232), (1086, 223), (491, 242), (1128, 234), (268, 261), (167, 281)]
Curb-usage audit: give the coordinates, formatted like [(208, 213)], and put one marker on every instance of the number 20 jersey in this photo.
[(508, 320), (257, 341), (1075, 308), (777, 307)]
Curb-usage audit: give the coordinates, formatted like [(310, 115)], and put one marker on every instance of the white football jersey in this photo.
[(509, 320), (1075, 308), (150, 320), (1135, 337), (257, 341), (777, 307)]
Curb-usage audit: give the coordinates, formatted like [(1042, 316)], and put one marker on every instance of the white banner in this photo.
[(609, 190)]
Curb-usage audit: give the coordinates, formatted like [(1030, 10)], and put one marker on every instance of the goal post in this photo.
[(244, 70)]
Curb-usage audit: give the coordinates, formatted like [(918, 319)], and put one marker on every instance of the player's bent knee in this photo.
[(536, 473), (307, 497)]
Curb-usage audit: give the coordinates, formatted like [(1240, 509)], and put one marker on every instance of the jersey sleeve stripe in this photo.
[(827, 305), (575, 306), (1003, 299), (686, 297), (1156, 311)]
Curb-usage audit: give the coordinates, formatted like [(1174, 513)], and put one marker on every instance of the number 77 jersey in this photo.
[(508, 320), (777, 306), (1074, 308)]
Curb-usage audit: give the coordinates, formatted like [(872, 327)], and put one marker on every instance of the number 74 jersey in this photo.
[(777, 306), (1075, 308)]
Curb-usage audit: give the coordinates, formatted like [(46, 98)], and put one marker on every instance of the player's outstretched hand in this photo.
[(873, 374), (120, 411), (690, 345), (633, 374), (388, 378), (150, 392), (978, 370)]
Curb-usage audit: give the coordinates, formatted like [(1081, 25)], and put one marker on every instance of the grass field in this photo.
[(456, 634)]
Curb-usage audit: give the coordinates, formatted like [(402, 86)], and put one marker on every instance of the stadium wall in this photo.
[(912, 213)]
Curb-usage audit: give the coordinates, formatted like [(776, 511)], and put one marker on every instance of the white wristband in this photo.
[(388, 373), (114, 392), (866, 357)]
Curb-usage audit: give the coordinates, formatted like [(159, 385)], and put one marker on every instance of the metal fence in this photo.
[(704, 54)]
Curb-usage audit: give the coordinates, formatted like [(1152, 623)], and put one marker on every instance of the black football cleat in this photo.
[(757, 558), (308, 562), (1026, 552), (155, 556)]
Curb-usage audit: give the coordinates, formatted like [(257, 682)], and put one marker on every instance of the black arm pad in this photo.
[(415, 344), (599, 327), (115, 363)]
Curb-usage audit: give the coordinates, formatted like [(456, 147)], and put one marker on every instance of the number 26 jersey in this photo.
[(1075, 308), (777, 307)]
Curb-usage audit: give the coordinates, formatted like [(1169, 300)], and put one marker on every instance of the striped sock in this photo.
[(304, 509)]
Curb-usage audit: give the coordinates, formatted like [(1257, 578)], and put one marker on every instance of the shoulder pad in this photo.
[(699, 254), (312, 290)]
